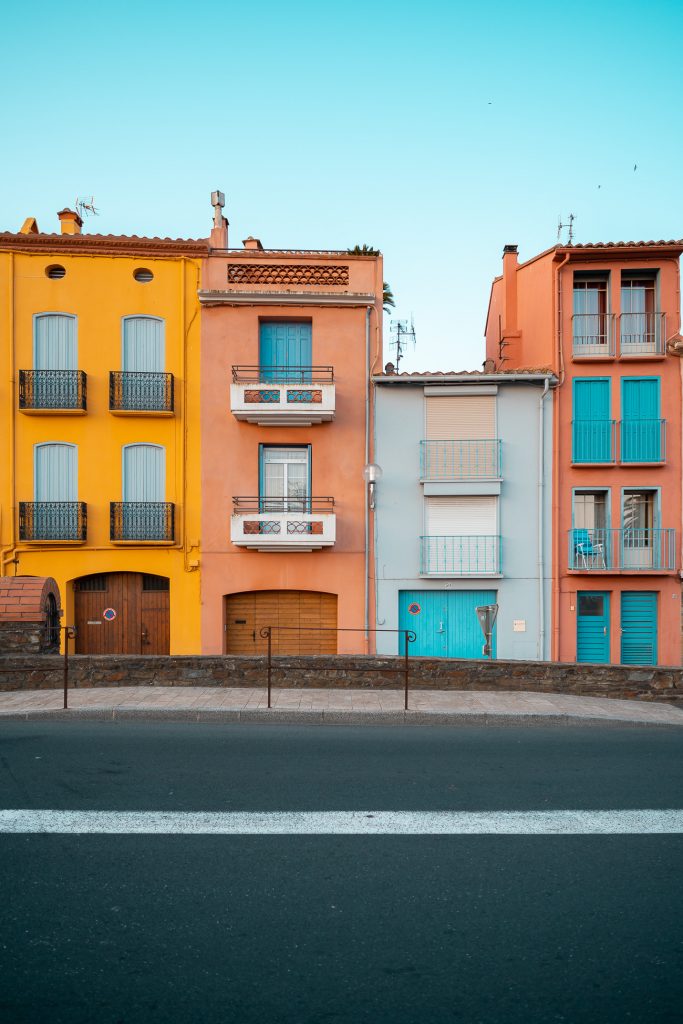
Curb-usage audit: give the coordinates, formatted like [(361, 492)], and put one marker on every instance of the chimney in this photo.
[(252, 243), (389, 369), (70, 222), (219, 232), (510, 349)]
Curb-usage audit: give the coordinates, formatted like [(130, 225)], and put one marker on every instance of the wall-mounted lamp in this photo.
[(371, 474)]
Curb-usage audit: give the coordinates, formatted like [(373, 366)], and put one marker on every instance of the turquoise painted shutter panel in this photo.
[(640, 414), (428, 623), (287, 346), (55, 472), (143, 345), (592, 426), (465, 638), (639, 628), (55, 342), (144, 473)]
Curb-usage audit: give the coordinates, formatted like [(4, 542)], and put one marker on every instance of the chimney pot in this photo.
[(70, 222), (252, 243), (509, 248)]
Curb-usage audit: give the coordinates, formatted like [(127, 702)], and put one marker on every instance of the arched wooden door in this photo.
[(141, 607), (304, 613)]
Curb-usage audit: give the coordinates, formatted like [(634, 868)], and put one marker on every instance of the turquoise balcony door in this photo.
[(641, 426), (144, 491), (55, 358), (592, 627), (285, 352), (55, 490), (592, 431), (143, 361)]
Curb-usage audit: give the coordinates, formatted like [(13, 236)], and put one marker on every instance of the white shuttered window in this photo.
[(461, 536)]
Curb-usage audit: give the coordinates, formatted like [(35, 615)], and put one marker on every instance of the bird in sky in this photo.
[(635, 167)]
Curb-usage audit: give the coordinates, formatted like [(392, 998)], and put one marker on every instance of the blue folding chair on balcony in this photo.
[(589, 552)]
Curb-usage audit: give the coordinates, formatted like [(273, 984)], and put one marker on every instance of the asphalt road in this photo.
[(338, 929)]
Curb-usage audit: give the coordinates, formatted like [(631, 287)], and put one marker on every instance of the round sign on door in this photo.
[(414, 608), (109, 614)]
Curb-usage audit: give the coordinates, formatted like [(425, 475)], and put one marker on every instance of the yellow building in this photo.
[(99, 437)]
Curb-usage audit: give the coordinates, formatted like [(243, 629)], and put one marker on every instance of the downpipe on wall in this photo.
[(541, 538)]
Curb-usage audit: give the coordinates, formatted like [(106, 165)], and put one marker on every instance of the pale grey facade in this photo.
[(463, 511)]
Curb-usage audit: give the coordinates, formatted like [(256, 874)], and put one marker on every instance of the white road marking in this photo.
[(254, 823)]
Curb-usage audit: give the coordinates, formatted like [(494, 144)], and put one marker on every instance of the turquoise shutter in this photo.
[(640, 419), (592, 426), (638, 628), (54, 342), (55, 472), (144, 472), (287, 346), (143, 345)]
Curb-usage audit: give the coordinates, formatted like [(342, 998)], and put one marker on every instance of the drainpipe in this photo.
[(541, 539), (368, 313), (9, 554), (557, 327)]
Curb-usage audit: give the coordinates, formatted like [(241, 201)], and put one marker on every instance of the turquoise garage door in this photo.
[(445, 622)]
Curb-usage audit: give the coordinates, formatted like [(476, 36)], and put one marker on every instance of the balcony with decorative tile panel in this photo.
[(141, 393), (627, 550), (283, 395), (49, 391), (53, 521), (464, 555), (283, 524), (142, 522)]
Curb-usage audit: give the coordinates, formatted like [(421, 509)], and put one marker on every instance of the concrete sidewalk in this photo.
[(357, 707)]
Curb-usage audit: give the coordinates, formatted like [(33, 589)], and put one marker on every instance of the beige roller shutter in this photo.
[(461, 516), (461, 417)]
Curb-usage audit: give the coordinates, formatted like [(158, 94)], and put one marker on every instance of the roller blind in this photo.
[(461, 516), (461, 417)]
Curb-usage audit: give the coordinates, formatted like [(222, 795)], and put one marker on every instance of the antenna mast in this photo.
[(85, 207), (402, 335), (569, 224)]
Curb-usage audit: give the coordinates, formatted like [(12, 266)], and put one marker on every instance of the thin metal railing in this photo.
[(409, 637), (142, 520), (273, 504), (460, 555), (593, 335), (283, 374), (630, 549), (594, 441), (460, 459), (642, 334), (52, 389), (140, 392), (53, 520)]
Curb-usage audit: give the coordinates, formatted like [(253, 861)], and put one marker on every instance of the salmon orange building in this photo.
[(604, 318), (99, 404), (289, 340)]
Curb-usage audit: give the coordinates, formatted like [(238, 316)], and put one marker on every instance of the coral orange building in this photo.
[(605, 319)]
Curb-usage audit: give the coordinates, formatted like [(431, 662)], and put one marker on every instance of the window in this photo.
[(285, 479), (591, 537), (592, 426), (642, 430), (285, 351), (640, 322), (639, 532), (590, 510), (590, 322), (55, 272), (143, 276)]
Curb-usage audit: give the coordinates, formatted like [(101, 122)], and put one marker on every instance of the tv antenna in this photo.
[(85, 207), (402, 335), (569, 224)]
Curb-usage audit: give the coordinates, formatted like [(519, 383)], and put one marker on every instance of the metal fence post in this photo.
[(69, 633), (405, 641)]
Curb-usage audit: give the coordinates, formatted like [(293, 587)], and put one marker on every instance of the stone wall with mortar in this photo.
[(28, 672)]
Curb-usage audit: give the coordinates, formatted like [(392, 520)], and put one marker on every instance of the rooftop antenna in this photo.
[(402, 335), (85, 207), (569, 224)]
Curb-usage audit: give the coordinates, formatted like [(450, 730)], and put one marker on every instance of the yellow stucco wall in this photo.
[(100, 290)]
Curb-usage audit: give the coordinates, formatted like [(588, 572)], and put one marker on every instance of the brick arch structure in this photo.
[(29, 614)]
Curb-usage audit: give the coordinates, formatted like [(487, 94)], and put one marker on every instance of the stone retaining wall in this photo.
[(26, 672)]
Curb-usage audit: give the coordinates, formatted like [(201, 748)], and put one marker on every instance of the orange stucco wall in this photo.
[(230, 453)]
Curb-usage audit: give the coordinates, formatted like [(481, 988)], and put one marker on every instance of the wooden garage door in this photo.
[(142, 607), (247, 613)]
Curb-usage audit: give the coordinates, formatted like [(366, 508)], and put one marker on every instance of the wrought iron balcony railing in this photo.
[(142, 520), (283, 374), (594, 441), (642, 441), (460, 460), (593, 335), (460, 555), (53, 520), (140, 392), (642, 334), (631, 549), (52, 389)]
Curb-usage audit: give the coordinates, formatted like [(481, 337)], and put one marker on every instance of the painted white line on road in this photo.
[(251, 823)]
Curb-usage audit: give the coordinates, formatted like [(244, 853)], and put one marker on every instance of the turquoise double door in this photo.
[(285, 352), (445, 622), (638, 627)]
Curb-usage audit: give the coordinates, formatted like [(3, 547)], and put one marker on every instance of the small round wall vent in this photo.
[(55, 271), (143, 275)]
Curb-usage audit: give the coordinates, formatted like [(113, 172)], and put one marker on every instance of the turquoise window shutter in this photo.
[(285, 351), (144, 473), (143, 345), (641, 430), (592, 434), (54, 342)]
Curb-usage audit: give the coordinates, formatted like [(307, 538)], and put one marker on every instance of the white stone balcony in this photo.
[(277, 396), (283, 524)]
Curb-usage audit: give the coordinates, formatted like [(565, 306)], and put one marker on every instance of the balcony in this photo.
[(460, 556), (142, 521), (141, 392), (460, 460), (633, 549), (53, 521), (594, 442), (642, 335), (52, 391), (283, 524), (593, 336), (276, 396), (642, 442)]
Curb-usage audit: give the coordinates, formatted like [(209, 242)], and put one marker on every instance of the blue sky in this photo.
[(436, 132)]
